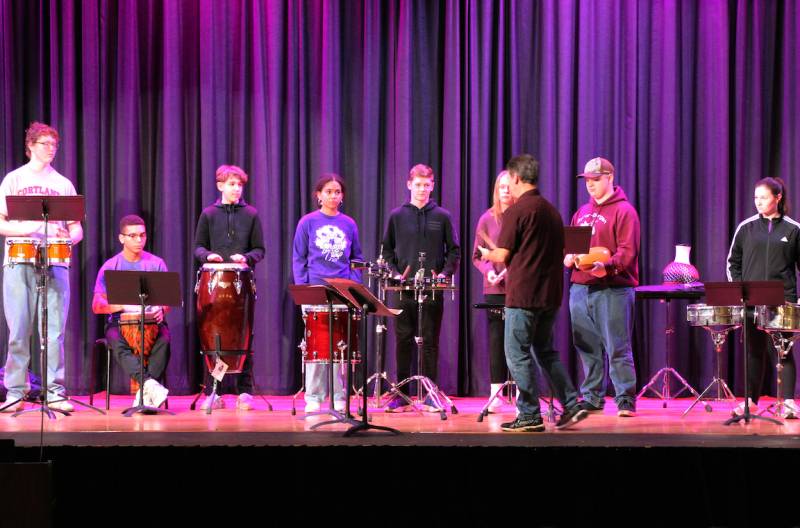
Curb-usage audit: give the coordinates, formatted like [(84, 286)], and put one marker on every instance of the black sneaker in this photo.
[(626, 409), (589, 407), (571, 416), (519, 425)]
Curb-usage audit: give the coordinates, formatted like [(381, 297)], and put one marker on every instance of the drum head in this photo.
[(224, 266)]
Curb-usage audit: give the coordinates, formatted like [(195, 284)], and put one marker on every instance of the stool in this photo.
[(101, 345)]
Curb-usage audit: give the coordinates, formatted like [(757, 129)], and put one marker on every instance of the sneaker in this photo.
[(61, 405), (6, 408), (626, 409), (136, 400), (571, 416), (590, 408), (790, 409), (338, 405), (219, 403), (429, 405), (155, 393), (520, 425), (496, 406), (397, 404), (244, 402), (312, 406), (739, 409)]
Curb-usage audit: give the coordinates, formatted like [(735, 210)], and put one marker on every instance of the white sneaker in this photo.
[(219, 403), (497, 404), (739, 409), (154, 393), (790, 409), (244, 402), (312, 406), (61, 405), (338, 405), (136, 400)]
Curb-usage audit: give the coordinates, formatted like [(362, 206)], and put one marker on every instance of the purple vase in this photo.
[(681, 271)]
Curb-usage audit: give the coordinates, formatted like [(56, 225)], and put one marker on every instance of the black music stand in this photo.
[(46, 209), (666, 293), (321, 294), (745, 293), (155, 288), (360, 298)]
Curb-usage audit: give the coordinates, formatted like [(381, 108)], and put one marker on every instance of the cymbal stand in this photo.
[(724, 393), (381, 271), (435, 395), (783, 345)]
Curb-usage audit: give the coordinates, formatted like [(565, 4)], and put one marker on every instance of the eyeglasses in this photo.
[(134, 236), (48, 144)]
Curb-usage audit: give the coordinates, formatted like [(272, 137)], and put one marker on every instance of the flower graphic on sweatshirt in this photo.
[(331, 241)]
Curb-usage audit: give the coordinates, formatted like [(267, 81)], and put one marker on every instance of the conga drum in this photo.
[(226, 295), (130, 330)]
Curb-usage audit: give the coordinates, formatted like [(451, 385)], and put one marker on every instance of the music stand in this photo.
[(46, 209), (321, 294), (746, 293), (359, 297), (155, 288)]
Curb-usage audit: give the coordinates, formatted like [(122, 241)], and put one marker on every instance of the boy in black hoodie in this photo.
[(230, 231), (419, 226)]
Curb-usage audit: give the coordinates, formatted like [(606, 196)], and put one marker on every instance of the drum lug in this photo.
[(197, 283), (238, 284), (212, 283), (314, 354)]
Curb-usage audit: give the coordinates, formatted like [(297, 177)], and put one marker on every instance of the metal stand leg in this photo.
[(724, 392)]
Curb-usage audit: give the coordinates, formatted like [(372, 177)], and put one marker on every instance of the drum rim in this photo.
[(224, 266)]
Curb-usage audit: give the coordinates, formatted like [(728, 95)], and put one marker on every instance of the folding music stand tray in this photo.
[(156, 288), (746, 293), (360, 298), (321, 294), (46, 209)]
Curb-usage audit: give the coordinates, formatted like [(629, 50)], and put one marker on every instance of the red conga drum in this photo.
[(226, 296), (129, 329)]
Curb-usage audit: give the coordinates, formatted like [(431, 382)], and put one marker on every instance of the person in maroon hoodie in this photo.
[(601, 299)]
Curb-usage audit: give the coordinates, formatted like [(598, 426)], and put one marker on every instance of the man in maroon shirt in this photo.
[(601, 299), (531, 243)]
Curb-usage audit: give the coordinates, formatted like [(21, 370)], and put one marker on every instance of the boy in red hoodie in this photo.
[(601, 299)]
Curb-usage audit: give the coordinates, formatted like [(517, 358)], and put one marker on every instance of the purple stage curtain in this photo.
[(693, 101)]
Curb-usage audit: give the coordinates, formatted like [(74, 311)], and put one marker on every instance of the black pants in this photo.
[(497, 356), (762, 358), (405, 326), (130, 362), (233, 383)]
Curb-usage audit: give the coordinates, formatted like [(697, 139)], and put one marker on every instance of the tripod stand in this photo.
[(435, 398)]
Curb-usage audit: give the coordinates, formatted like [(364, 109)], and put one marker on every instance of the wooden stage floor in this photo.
[(654, 426)]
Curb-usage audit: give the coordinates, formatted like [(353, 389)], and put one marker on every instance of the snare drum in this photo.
[(226, 295), (714, 316), (316, 346), (59, 250), (783, 318), (22, 250)]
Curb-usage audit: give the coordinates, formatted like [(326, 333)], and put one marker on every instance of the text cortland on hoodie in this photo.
[(411, 230), (615, 225)]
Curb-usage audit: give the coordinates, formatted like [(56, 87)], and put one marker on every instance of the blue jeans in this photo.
[(602, 324), (19, 304), (317, 382), (533, 329)]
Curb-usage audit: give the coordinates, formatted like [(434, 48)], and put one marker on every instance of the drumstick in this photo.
[(405, 273)]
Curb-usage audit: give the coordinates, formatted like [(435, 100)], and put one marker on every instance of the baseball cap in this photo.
[(597, 167)]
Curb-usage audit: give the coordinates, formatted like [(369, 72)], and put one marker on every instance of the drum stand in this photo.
[(783, 346), (432, 392), (663, 375), (379, 376), (724, 392)]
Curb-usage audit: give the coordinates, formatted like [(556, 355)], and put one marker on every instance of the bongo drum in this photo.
[(22, 250), (226, 295), (59, 250)]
